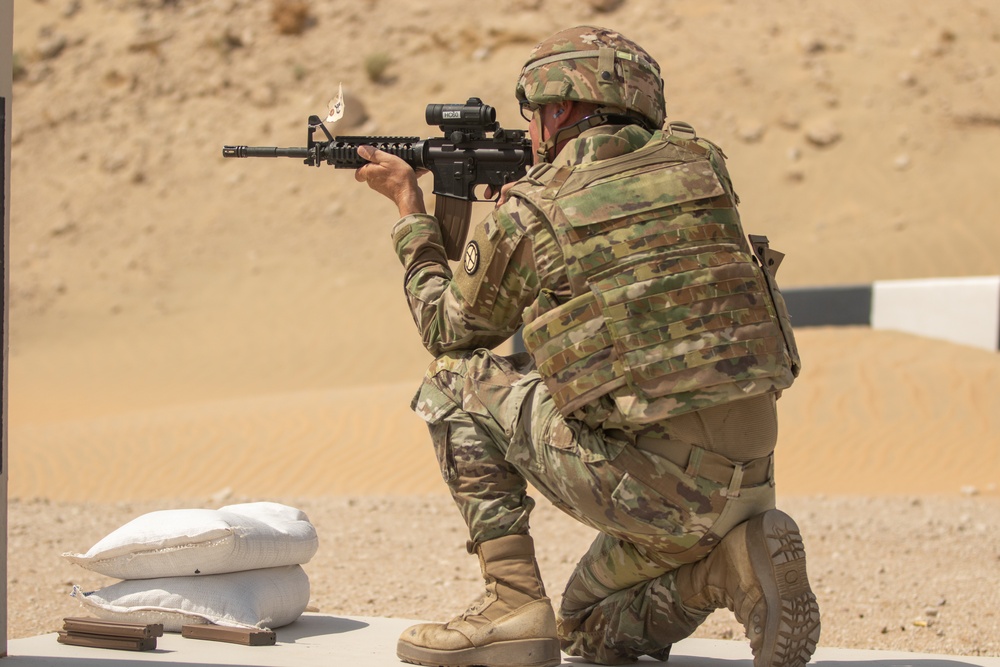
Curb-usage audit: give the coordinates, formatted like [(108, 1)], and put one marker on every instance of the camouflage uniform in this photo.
[(662, 483)]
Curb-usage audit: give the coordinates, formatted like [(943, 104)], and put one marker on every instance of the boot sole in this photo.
[(775, 545), (515, 653)]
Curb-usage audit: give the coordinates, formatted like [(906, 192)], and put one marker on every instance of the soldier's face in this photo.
[(545, 122)]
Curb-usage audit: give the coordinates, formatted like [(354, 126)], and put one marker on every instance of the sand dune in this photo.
[(349, 441), (887, 412), (873, 412)]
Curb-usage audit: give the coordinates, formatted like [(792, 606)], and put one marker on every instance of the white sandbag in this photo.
[(264, 599), (191, 542)]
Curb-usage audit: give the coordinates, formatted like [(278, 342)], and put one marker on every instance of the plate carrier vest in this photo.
[(670, 310)]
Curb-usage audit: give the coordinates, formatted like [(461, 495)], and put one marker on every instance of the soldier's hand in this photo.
[(391, 177), (490, 194)]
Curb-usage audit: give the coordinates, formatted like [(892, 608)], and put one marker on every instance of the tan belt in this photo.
[(699, 462)]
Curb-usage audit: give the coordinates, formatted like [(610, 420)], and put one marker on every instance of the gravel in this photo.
[(894, 573)]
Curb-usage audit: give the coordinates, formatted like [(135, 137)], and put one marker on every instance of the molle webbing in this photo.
[(695, 330), (669, 312)]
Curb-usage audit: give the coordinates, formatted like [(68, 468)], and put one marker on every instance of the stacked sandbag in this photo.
[(237, 566)]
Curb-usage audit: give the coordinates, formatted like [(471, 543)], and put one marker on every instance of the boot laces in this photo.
[(480, 604)]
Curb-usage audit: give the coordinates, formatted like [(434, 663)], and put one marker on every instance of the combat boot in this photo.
[(758, 571), (511, 625)]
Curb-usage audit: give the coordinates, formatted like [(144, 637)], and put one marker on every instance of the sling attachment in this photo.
[(679, 128), (769, 259)]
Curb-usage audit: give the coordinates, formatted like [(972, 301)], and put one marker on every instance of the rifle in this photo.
[(464, 158)]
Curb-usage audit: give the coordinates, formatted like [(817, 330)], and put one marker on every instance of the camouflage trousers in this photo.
[(495, 429)]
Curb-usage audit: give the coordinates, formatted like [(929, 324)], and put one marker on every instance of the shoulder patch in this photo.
[(484, 261), (471, 258)]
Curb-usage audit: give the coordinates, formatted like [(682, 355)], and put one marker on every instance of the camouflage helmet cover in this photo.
[(597, 65)]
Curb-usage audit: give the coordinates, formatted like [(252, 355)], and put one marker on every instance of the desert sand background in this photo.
[(191, 331)]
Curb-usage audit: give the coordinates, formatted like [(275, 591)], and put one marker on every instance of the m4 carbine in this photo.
[(474, 151)]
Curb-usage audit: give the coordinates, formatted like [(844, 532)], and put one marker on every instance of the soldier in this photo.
[(657, 345)]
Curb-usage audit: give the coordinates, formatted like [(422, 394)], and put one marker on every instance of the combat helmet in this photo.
[(598, 65)]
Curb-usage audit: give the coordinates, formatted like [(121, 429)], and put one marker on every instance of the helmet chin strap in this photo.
[(542, 154), (546, 149)]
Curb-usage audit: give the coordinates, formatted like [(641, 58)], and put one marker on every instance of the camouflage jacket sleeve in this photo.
[(480, 304)]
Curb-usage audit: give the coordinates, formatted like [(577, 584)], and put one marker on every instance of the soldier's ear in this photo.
[(562, 113)]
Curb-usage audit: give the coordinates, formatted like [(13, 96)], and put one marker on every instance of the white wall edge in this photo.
[(960, 310)]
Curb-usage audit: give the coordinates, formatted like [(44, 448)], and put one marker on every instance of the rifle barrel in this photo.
[(264, 151)]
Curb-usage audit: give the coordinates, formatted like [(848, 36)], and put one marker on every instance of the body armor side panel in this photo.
[(670, 311)]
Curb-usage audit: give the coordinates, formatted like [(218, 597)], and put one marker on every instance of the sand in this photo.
[(188, 331), (914, 573)]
